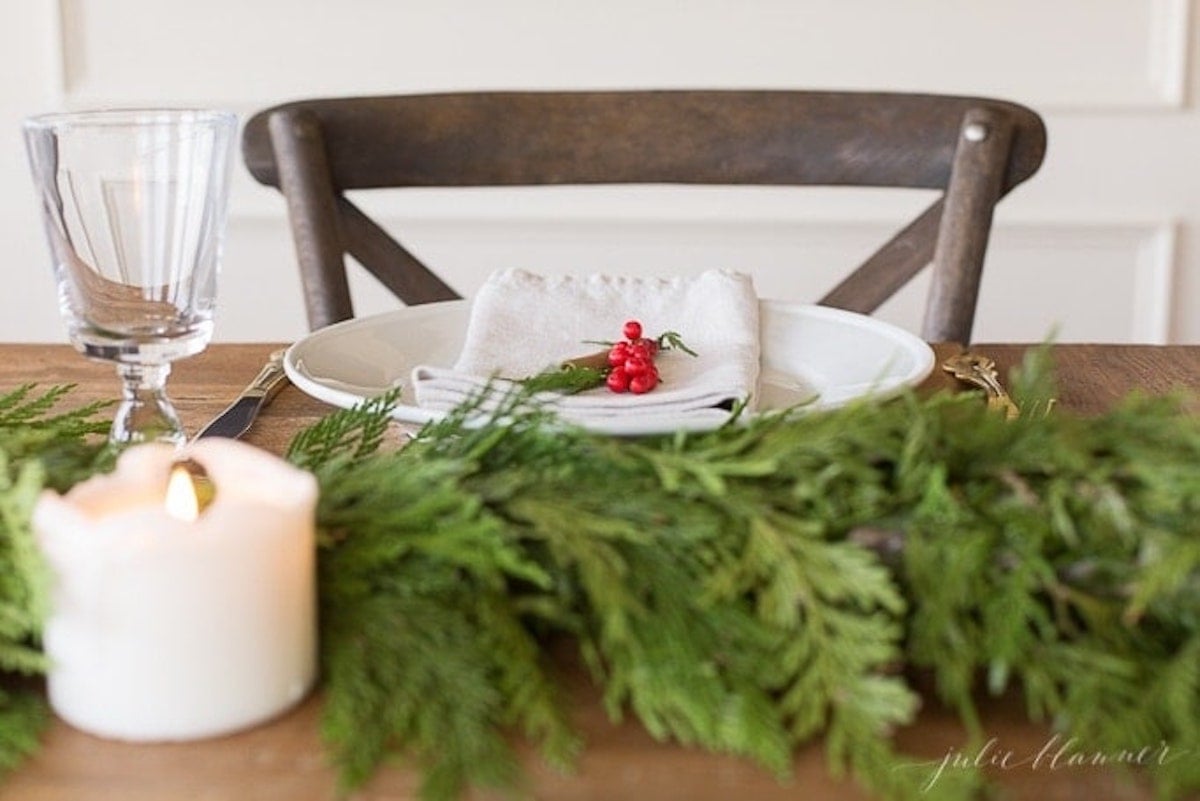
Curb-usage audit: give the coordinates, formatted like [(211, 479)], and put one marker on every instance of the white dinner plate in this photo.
[(811, 355)]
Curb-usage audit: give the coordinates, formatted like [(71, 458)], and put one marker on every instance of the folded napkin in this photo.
[(522, 323)]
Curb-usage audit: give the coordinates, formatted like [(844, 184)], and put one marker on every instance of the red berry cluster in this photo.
[(632, 362)]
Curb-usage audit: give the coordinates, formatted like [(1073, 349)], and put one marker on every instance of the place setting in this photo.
[(752, 354)]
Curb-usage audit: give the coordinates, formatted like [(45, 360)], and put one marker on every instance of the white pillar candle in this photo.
[(163, 629)]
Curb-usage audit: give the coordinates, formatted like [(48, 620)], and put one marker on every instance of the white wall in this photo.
[(1103, 244)]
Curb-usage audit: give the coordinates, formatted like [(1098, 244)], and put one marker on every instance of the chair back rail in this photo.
[(974, 149)]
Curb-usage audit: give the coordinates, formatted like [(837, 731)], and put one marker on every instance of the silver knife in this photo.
[(237, 417)]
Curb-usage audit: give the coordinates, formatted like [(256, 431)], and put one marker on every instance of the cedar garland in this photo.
[(745, 591)]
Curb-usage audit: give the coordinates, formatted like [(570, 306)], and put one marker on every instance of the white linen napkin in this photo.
[(522, 323)]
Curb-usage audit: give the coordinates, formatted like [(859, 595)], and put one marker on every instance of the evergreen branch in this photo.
[(751, 588), (39, 447), (744, 590), (347, 434), (23, 717)]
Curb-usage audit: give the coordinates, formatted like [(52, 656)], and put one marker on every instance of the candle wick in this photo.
[(198, 485)]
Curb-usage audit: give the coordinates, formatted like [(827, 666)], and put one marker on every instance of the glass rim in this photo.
[(116, 117)]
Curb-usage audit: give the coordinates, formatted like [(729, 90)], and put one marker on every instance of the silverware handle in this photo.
[(270, 379), (980, 371)]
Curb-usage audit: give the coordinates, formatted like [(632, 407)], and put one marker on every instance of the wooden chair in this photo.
[(974, 149)]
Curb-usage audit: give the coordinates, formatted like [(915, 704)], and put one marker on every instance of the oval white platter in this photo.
[(811, 355)]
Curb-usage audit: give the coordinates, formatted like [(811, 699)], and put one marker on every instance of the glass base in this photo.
[(145, 413)]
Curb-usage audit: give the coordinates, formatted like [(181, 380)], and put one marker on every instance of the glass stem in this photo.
[(145, 413)]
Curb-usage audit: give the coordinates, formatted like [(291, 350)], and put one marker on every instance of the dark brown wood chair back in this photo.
[(974, 149)]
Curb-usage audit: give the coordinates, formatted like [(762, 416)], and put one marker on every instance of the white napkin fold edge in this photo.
[(726, 372)]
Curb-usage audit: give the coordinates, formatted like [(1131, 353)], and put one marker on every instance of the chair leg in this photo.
[(306, 182), (976, 181)]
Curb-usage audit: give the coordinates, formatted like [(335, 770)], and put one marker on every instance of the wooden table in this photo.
[(284, 759)]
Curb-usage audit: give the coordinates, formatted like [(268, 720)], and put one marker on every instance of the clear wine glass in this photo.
[(134, 205)]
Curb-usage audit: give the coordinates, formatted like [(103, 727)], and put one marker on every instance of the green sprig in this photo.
[(671, 340), (39, 447), (571, 377), (752, 588), (566, 380)]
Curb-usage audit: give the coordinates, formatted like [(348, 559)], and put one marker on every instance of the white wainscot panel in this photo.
[(1066, 54), (1074, 282), (1185, 311)]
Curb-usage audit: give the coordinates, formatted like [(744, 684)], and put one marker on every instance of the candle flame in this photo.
[(182, 501)]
